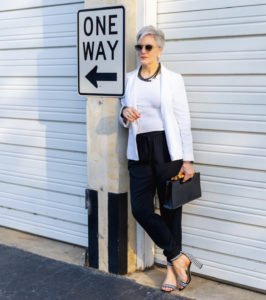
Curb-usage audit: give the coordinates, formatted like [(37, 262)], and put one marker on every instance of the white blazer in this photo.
[(175, 115)]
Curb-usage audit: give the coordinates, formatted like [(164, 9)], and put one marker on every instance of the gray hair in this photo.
[(156, 33)]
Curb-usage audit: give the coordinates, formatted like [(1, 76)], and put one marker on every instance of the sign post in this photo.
[(101, 51)]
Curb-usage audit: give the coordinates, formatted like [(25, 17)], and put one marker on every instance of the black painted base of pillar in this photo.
[(117, 231)]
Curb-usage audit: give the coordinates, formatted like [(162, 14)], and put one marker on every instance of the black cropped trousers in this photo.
[(147, 176)]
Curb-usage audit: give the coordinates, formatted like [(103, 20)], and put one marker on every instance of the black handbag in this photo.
[(179, 193)]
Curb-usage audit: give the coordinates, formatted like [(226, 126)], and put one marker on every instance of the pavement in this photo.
[(34, 267), (24, 275)]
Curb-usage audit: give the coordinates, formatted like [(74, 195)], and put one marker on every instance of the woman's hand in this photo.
[(187, 171), (130, 114)]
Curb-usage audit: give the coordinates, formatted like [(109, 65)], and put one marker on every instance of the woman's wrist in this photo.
[(122, 111)]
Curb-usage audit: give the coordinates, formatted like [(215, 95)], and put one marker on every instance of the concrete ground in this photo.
[(200, 288), (27, 276)]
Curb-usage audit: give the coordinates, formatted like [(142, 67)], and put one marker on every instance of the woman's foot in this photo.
[(170, 283), (181, 267)]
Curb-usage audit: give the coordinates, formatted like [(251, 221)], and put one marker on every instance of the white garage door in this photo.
[(42, 121), (220, 47)]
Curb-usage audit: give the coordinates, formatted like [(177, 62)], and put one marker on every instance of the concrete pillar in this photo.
[(112, 240)]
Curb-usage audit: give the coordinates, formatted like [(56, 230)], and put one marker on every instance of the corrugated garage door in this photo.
[(42, 121), (220, 47)]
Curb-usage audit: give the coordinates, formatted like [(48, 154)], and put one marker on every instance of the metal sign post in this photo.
[(101, 51)]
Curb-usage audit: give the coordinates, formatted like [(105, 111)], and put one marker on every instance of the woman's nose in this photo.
[(143, 50)]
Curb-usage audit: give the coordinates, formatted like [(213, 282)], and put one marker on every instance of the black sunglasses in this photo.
[(146, 47)]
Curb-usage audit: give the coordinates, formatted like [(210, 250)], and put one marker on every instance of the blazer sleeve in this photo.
[(123, 102), (123, 122), (182, 115)]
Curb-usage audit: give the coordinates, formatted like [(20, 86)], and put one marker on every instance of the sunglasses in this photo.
[(146, 47)]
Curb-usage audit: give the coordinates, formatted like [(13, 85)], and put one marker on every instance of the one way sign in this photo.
[(101, 51)]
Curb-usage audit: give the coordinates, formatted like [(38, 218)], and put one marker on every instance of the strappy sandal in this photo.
[(192, 259), (172, 287)]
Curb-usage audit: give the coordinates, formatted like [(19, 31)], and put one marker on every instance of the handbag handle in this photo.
[(179, 177)]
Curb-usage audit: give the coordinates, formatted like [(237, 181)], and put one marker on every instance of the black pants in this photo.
[(146, 176)]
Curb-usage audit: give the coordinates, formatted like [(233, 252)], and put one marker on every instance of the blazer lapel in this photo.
[(131, 90), (165, 93)]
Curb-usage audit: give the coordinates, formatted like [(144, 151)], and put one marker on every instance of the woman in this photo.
[(155, 110)]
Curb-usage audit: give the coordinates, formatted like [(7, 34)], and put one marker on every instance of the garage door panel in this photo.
[(37, 63), (235, 261), (49, 227), (230, 149), (38, 153), (40, 168), (227, 109), (63, 226), (225, 214), (16, 5), (66, 70), (207, 23), (233, 274), (31, 24), (48, 104), (217, 96), (36, 206), (214, 269), (225, 44), (231, 202), (228, 173), (76, 129), (221, 246), (29, 91), (64, 186), (30, 56), (68, 198), (242, 139), (214, 236), (205, 122), (46, 135), (234, 160), (220, 67), (230, 138), (195, 5), (43, 121), (228, 81), (219, 47), (237, 230), (234, 190), (48, 41), (56, 157), (45, 108), (40, 11), (217, 56), (237, 201), (26, 31), (214, 31), (224, 14), (60, 116), (49, 143)]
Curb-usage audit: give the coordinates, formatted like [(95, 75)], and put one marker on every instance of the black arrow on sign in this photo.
[(93, 76)]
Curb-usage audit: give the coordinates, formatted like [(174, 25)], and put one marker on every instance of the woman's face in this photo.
[(148, 57)]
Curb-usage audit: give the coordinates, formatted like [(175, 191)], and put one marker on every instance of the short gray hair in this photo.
[(156, 33)]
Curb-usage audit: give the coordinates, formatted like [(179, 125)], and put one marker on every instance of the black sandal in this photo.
[(192, 259)]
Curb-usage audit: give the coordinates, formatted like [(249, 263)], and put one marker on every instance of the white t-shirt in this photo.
[(149, 105)]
